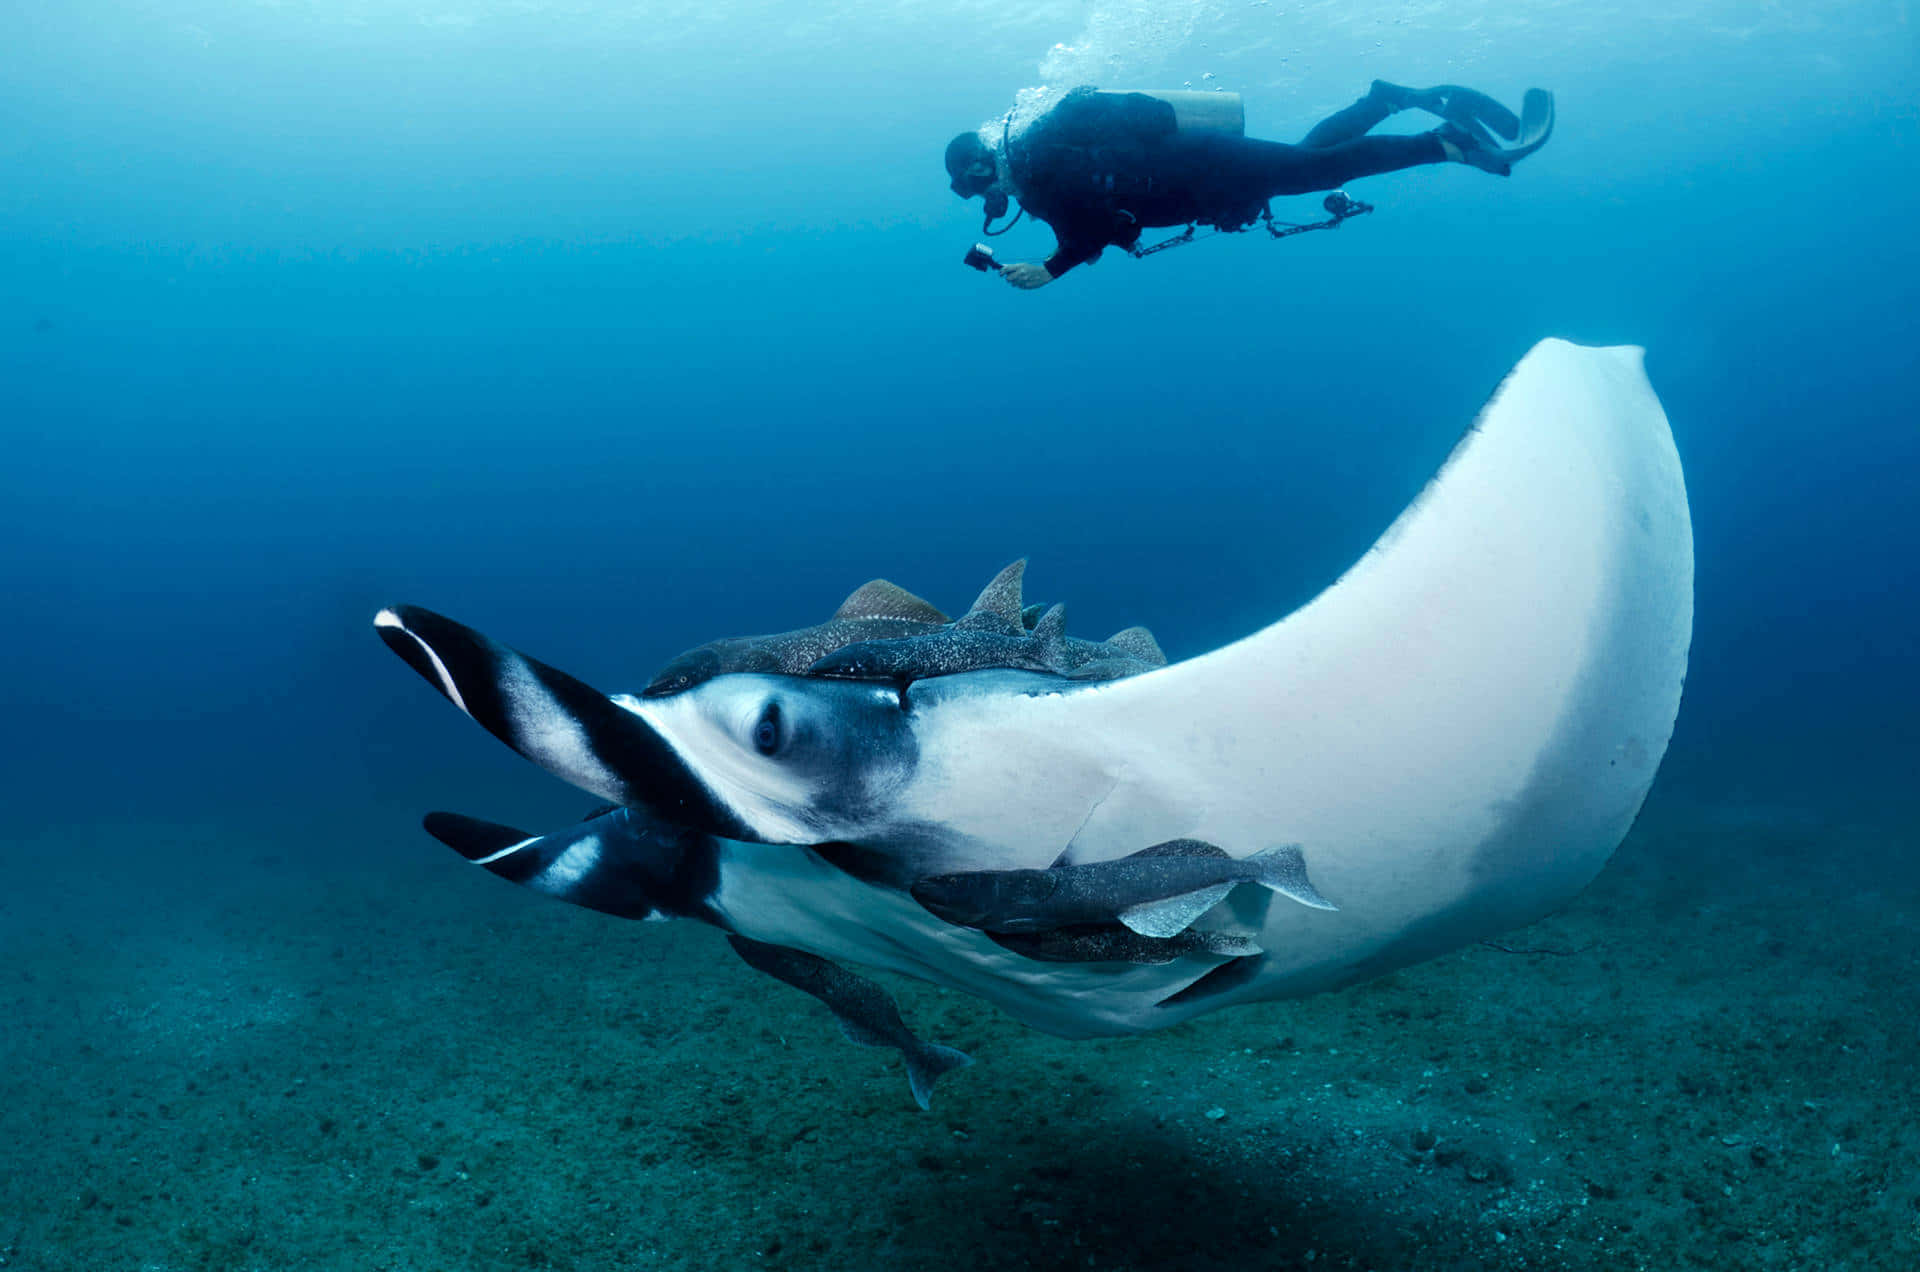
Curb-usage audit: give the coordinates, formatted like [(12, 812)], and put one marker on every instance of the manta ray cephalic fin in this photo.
[(562, 724), (617, 862)]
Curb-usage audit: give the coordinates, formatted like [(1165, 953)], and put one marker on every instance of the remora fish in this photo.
[(1117, 945), (1158, 891), (1462, 727), (621, 862), (866, 1012)]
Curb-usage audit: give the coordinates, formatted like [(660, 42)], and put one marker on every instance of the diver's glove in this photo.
[(1026, 275)]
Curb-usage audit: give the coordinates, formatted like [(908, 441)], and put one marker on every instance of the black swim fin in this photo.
[(1473, 109), (1473, 146), (1536, 124), (1463, 107)]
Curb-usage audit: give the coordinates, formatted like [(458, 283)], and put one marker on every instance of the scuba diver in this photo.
[(1099, 167)]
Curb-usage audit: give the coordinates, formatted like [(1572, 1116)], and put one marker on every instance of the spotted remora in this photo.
[(866, 1012), (1156, 892)]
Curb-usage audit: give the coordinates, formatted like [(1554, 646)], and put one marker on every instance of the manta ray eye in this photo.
[(766, 734)]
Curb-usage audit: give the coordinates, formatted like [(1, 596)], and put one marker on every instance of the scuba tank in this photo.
[(1197, 112), (1193, 113)]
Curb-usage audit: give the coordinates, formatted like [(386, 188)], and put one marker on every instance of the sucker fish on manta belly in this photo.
[(1447, 742), (1158, 891)]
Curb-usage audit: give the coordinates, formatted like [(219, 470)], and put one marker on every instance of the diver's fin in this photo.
[(1466, 107), (881, 599), (1470, 108), (1472, 145), (1174, 915), (1138, 642), (1284, 869), (1536, 124), (1031, 614), (998, 607), (565, 726)]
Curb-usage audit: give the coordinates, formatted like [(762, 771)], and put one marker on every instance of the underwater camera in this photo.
[(980, 257), (1340, 205)]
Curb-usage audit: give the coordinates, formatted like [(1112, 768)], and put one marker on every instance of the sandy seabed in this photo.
[(214, 1057)]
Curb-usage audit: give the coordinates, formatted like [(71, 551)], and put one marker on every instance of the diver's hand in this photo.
[(1026, 275)]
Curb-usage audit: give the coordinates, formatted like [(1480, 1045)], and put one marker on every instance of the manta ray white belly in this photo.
[(1458, 733)]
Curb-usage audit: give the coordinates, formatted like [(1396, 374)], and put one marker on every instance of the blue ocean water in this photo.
[(609, 328)]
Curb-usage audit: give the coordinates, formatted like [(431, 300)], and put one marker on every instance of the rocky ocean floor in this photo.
[(411, 1066)]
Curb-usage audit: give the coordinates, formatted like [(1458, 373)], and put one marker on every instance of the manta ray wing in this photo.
[(1459, 731)]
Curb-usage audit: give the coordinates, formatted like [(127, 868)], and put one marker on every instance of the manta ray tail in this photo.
[(565, 726), (1282, 869), (619, 862)]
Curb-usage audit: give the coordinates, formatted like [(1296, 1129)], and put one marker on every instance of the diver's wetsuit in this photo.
[(1100, 167)]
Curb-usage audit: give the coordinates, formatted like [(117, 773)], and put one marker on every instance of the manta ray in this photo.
[(1447, 742)]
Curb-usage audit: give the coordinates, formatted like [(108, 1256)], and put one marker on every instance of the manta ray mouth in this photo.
[(562, 724)]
